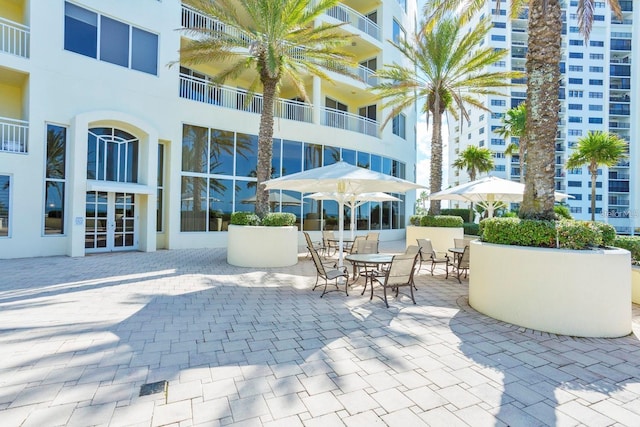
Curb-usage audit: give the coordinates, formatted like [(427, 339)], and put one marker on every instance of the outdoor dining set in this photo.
[(384, 270)]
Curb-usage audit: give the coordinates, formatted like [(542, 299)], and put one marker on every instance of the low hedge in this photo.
[(441, 221), (471, 228), (630, 243), (279, 219), (465, 214), (566, 234), (415, 220), (244, 218)]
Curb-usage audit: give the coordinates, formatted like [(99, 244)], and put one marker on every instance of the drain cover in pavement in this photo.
[(152, 388)]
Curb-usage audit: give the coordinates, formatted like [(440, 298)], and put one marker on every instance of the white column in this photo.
[(316, 99)]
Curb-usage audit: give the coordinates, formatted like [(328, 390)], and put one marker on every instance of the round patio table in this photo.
[(366, 261)]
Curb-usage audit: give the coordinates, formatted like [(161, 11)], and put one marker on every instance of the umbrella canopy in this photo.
[(488, 192), (354, 200), (344, 180), (275, 198)]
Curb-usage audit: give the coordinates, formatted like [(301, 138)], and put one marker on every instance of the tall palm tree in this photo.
[(474, 159), (513, 125), (543, 80), (449, 69), (597, 149), (278, 42)]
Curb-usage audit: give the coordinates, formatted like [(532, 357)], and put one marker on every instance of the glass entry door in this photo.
[(111, 222)]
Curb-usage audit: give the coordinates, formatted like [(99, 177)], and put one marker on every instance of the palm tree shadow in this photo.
[(541, 372)]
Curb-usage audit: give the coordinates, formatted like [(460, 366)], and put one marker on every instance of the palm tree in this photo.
[(448, 69), (597, 149), (278, 42), (514, 126), (474, 159), (543, 82)]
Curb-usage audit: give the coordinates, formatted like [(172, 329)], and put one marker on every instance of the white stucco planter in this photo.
[(635, 284), (441, 237), (576, 293), (258, 246)]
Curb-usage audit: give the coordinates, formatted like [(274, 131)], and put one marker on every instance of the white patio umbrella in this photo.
[(355, 200), (489, 192), (344, 180)]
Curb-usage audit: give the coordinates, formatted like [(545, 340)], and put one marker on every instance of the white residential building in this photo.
[(104, 147), (597, 91)]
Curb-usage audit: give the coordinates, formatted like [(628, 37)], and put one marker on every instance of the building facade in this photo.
[(104, 146), (597, 93)]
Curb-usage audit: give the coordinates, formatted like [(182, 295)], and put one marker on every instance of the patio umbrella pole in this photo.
[(340, 230)]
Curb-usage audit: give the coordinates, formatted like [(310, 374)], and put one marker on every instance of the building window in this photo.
[(576, 55), (576, 210), (576, 94), (593, 107), (576, 196), (499, 25), (499, 168), (112, 155), (398, 32), (596, 56), (55, 180), (576, 43), (575, 132), (595, 120), (5, 205), (575, 81), (116, 42), (595, 82), (576, 171), (593, 69), (575, 106), (498, 38), (574, 183), (575, 119), (576, 68), (480, 131), (497, 141), (596, 43), (498, 102), (160, 191), (399, 125), (596, 95)]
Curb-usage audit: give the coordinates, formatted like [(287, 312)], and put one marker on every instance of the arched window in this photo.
[(112, 155)]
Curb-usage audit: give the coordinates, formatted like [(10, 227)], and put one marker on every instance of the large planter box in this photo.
[(258, 246), (635, 284), (441, 237), (576, 293)]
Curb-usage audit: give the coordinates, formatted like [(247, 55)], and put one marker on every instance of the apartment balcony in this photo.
[(348, 121), (619, 109), (617, 98), (14, 135), (617, 201), (203, 90), (619, 125), (193, 18), (354, 18), (14, 38)]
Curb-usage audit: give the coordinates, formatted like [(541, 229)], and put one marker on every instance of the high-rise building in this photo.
[(105, 147), (596, 93)]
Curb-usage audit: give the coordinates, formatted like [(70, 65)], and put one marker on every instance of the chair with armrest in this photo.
[(461, 264), (428, 254), (399, 274), (318, 246), (329, 273)]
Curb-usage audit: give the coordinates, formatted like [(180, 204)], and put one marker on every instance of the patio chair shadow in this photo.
[(540, 372)]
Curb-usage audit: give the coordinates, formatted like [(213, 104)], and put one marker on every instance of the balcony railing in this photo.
[(203, 90), (13, 135), (192, 18), (346, 14), (14, 38), (343, 120), (620, 125)]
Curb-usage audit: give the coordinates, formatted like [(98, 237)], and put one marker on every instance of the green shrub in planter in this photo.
[(244, 218), (465, 214), (630, 243), (278, 219), (562, 212), (514, 231), (415, 220), (441, 221), (607, 231), (471, 228), (578, 235)]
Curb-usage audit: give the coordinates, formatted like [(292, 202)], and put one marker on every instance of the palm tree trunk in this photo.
[(521, 151), (436, 159), (265, 146), (543, 74), (594, 176)]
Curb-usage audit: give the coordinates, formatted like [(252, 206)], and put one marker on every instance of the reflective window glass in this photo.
[(221, 154), (80, 30), (5, 193), (291, 157), (55, 180), (276, 157), (376, 163), (114, 41), (312, 156), (144, 51), (364, 160), (246, 155), (331, 155), (193, 204), (194, 148), (349, 156)]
